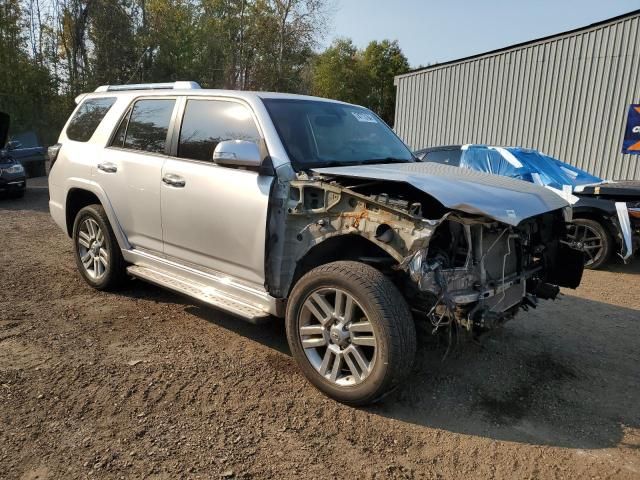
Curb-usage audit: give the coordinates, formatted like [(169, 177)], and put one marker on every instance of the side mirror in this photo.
[(237, 153), (13, 144)]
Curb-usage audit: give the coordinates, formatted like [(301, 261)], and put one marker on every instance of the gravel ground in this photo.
[(145, 383)]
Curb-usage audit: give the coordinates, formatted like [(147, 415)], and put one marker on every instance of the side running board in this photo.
[(203, 293)]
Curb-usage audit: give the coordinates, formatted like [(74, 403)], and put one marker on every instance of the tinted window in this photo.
[(88, 117), (448, 157), (209, 122), (148, 125), (118, 139)]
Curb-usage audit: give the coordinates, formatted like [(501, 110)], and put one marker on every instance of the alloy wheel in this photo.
[(587, 240), (337, 336), (92, 249)]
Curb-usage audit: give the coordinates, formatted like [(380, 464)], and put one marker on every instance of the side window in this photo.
[(448, 157), (88, 117), (118, 138), (146, 127), (209, 122)]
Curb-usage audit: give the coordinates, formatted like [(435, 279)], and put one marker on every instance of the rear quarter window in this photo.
[(88, 117)]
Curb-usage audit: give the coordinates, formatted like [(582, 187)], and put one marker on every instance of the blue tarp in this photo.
[(524, 164)]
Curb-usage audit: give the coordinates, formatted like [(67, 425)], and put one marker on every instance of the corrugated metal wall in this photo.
[(567, 96)]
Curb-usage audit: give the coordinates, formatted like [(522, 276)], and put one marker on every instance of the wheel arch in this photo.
[(86, 193), (342, 247), (77, 199)]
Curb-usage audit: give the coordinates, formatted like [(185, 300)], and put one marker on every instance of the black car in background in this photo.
[(13, 179), (25, 148), (606, 213)]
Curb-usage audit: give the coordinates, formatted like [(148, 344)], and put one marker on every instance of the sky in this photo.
[(431, 31)]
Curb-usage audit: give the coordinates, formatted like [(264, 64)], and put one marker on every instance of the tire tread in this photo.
[(118, 272), (396, 319)]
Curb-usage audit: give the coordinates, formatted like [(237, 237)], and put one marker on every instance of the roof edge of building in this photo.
[(600, 23)]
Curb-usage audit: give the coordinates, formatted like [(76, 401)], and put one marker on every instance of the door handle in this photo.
[(174, 180), (108, 167)]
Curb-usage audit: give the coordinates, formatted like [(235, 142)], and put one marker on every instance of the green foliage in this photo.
[(112, 35), (364, 77), (52, 50), (26, 89), (383, 61), (339, 73)]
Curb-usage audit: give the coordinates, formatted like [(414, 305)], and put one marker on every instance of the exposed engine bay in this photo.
[(478, 274), (453, 267)]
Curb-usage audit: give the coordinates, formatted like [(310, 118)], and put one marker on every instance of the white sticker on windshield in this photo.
[(364, 117)]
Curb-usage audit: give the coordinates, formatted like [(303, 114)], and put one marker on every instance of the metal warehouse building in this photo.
[(567, 95)]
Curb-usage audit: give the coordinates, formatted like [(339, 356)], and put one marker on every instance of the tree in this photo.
[(112, 36), (383, 61), (262, 44), (55, 49), (172, 40), (362, 77), (339, 73), (26, 89), (74, 19)]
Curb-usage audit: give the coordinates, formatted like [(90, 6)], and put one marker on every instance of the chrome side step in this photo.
[(204, 293)]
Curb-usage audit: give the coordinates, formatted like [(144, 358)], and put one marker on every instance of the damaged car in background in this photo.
[(308, 209)]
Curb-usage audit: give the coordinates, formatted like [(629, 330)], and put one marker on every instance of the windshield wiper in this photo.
[(329, 164), (337, 163)]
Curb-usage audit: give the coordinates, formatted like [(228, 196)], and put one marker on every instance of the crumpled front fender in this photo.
[(503, 199)]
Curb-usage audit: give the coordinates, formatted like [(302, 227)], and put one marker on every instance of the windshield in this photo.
[(524, 164), (318, 134)]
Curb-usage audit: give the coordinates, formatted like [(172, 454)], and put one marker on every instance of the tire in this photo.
[(99, 249), (380, 330), (585, 229)]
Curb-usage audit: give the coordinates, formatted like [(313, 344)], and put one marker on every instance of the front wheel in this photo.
[(351, 332)]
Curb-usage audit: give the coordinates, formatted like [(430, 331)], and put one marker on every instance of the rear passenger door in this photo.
[(214, 217), (130, 170)]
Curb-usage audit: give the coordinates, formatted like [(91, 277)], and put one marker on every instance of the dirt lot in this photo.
[(147, 384)]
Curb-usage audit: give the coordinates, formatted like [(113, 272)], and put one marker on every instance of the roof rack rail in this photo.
[(149, 86)]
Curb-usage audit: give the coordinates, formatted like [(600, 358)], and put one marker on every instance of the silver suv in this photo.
[(312, 210)]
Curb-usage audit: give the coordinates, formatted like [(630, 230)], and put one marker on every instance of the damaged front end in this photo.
[(478, 274), (471, 265)]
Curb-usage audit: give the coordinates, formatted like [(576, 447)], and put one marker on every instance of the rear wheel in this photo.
[(351, 332), (592, 238), (97, 252)]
